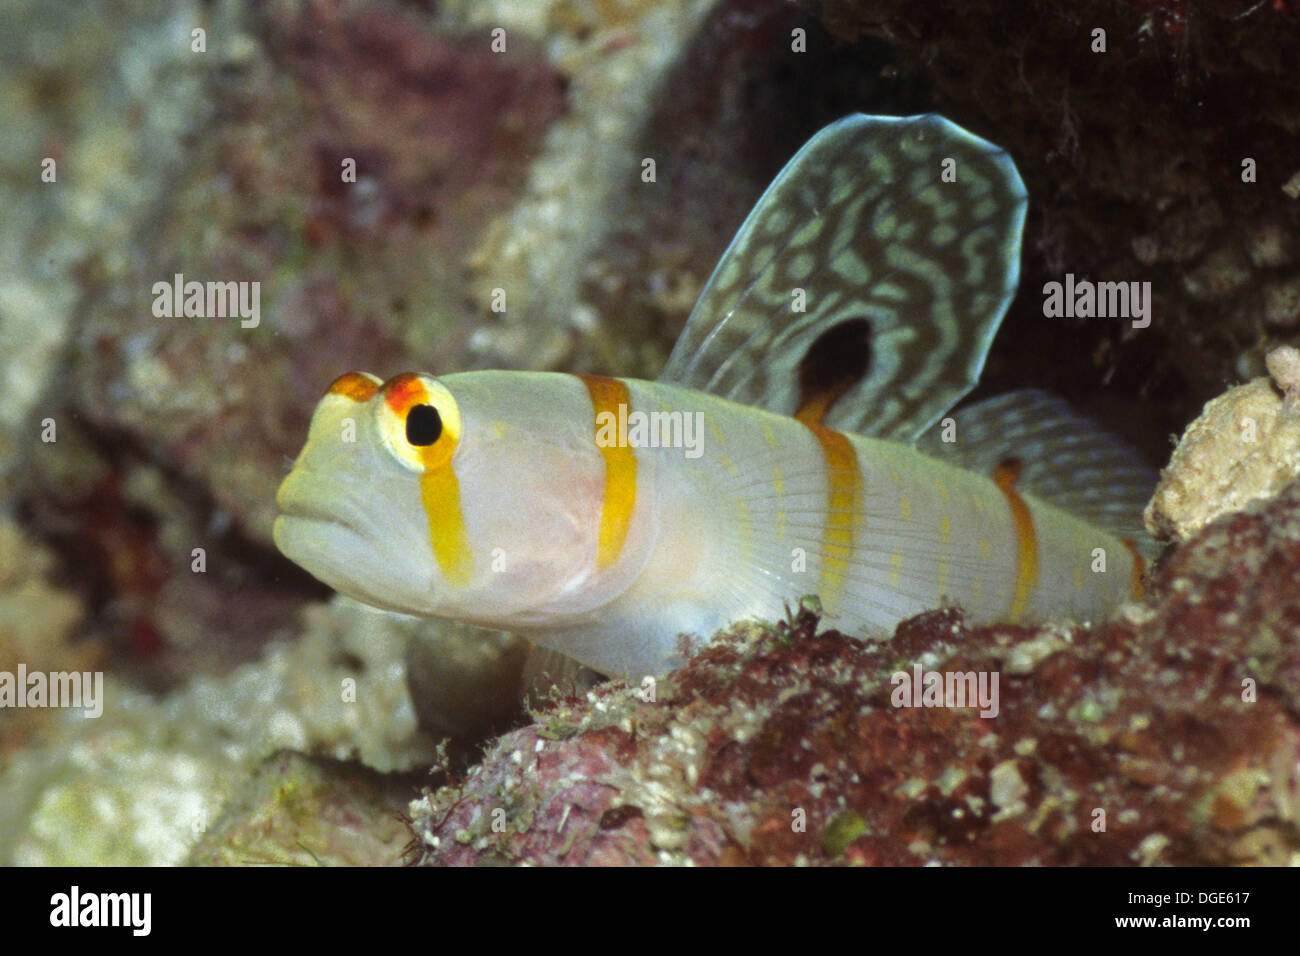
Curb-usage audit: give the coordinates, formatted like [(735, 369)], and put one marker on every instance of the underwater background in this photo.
[(251, 716)]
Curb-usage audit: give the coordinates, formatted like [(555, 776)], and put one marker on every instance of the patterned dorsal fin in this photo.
[(863, 223)]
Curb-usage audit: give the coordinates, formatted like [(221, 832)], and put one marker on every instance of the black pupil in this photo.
[(423, 425)]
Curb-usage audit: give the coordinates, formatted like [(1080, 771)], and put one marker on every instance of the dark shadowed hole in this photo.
[(835, 362)]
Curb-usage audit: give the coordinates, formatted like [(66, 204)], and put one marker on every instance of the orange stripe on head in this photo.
[(1137, 586), (608, 395), (440, 495), (1005, 475), (843, 481), (354, 385), (403, 391), (439, 487)]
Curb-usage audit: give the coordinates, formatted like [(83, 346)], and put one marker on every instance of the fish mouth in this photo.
[(299, 537), (309, 497), (336, 525), (321, 527), (312, 537), (306, 511), (313, 514), (328, 550)]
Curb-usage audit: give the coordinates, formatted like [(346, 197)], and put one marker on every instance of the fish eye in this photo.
[(423, 425), (418, 421)]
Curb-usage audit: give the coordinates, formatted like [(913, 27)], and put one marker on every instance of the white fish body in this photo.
[(604, 518)]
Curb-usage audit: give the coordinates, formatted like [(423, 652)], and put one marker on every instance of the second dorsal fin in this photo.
[(1064, 459)]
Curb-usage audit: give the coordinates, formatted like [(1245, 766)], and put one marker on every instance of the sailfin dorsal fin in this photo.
[(1062, 458), (869, 221)]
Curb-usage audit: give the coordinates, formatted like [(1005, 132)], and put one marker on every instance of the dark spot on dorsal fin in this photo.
[(838, 359), (1007, 472)]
